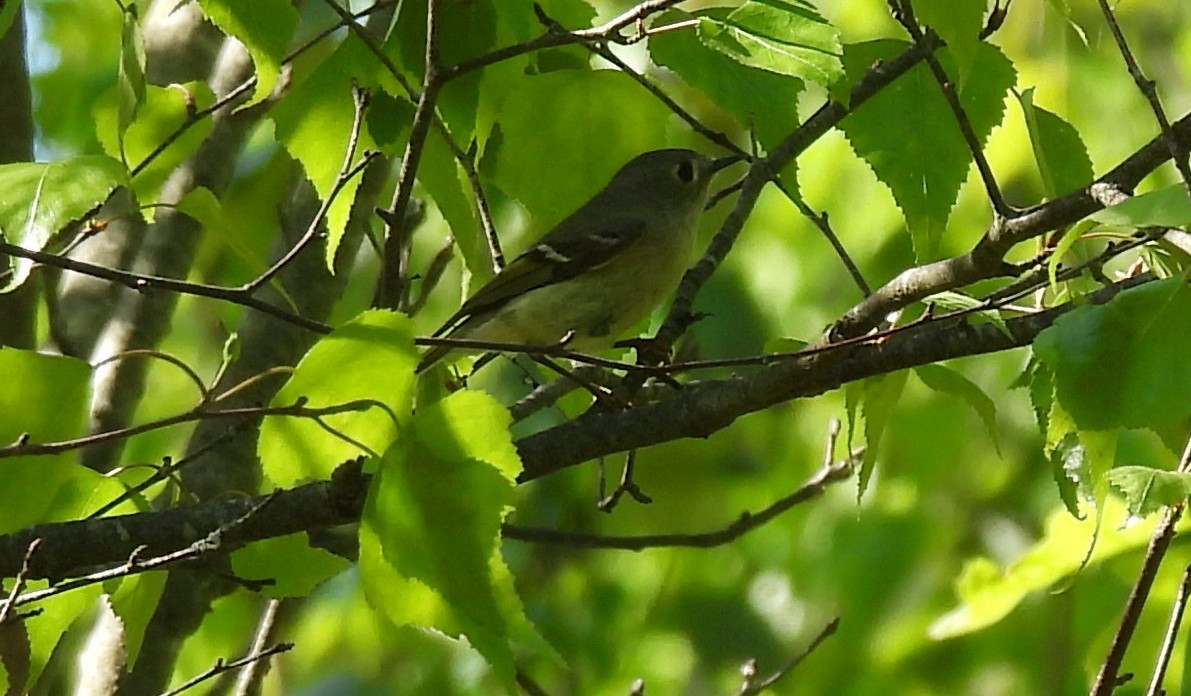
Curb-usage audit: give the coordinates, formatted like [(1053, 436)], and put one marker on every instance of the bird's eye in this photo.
[(685, 171)]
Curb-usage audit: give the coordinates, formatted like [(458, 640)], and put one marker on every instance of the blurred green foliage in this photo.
[(920, 570)]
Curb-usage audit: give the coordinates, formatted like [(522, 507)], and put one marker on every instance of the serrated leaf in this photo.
[(265, 27), (909, 121), (762, 101), (880, 397), (369, 360), (314, 124), (1059, 151), (958, 23), (429, 555), (39, 199), (135, 600), (1122, 364), (1165, 207), (1148, 490), (947, 381), (787, 37)]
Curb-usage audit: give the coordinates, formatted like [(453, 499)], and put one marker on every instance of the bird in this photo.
[(602, 269)]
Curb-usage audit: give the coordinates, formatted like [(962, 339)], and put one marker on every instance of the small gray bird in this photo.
[(602, 269)]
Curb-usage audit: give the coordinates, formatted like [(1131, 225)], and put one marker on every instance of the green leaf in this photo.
[(1072, 235), (1148, 490), (987, 594), (446, 181), (314, 124), (952, 301), (290, 562), (1059, 151), (1063, 7), (910, 122), (162, 112), (39, 199), (1165, 207), (573, 129), (56, 617), (761, 101), (947, 381), (787, 37), (135, 601), (265, 27), (880, 396), (958, 23), (428, 555), (46, 399), (1122, 364), (368, 360), (131, 79)]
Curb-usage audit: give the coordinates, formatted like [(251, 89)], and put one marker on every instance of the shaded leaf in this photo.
[(1059, 151), (947, 381), (1122, 364), (909, 121), (1165, 207)]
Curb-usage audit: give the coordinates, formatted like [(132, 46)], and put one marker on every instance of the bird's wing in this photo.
[(556, 258)]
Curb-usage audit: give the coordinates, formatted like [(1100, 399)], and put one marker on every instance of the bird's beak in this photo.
[(722, 162)]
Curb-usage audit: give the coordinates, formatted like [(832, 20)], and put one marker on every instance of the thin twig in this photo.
[(18, 585), (609, 31), (247, 85), (821, 221), (209, 543), (1178, 153), (1106, 680), (747, 522), (249, 680), (169, 468), (947, 87), (601, 49), (466, 159), (749, 688), (23, 447), (141, 283), (393, 285), (173, 360), (434, 273), (346, 173), (220, 667), (1172, 632)]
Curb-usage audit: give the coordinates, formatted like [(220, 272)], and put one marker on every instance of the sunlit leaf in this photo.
[(787, 37), (39, 199), (1148, 490), (367, 362)]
